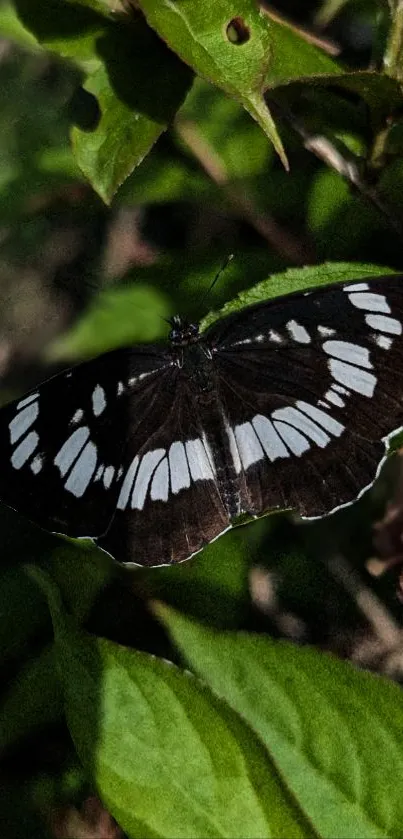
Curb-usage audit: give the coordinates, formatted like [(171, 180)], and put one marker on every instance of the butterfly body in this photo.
[(155, 450)]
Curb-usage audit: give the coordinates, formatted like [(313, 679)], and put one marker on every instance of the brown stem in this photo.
[(345, 163)]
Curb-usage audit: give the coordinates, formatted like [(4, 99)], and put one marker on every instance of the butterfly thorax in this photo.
[(192, 356), (183, 333)]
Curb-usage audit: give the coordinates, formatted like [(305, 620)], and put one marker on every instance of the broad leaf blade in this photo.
[(168, 757), (334, 732)]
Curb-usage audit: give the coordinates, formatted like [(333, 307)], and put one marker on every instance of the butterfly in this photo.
[(155, 450)]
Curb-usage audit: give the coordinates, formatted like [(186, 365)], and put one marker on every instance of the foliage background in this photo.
[(86, 266)]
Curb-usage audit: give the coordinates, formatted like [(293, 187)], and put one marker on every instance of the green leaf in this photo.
[(23, 612), (135, 64), (228, 45), (81, 569), (334, 732), (117, 317), (168, 757), (212, 586), (32, 700), (297, 279), (12, 28), (240, 144), (293, 57), (125, 63)]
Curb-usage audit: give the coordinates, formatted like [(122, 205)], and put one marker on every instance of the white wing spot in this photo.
[(108, 476), (160, 482), (22, 421), (236, 460), (77, 417), (275, 337), (383, 341), (357, 287), (384, 324), (249, 447), (199, 460), (98, 400), (27, 400), (127, 484), (178, 467), (354, 377), (326, 331), (370, 302), (268, 437), (345, 351), (335, 399), (243, 341), (120, 388), (99, 472), (292, 438), (37, 464), (323, 419), (300, 421), (24, 450), (81, 474), (298, 332), (71, 449), (341, 389), (148, 464)]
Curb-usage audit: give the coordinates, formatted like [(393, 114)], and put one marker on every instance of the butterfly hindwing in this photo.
[(170, 502)]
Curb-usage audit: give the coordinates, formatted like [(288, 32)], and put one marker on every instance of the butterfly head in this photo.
[(182, 332)]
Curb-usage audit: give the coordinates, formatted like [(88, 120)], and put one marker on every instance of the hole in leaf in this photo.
[(237, 31), (84, 110)]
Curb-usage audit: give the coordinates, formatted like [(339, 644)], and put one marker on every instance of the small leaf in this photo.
[(139, 85), (297, 279), (226, 44), (334, 732), (169, 758), (125, 66), (117, 317)]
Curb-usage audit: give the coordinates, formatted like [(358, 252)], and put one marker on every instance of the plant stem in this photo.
[(393, 59)]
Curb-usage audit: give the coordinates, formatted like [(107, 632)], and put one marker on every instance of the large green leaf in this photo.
[(335, 733), (168, 757)]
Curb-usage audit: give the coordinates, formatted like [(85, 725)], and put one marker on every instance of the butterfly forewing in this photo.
[(62, 444), (309, 387), (156, 450)]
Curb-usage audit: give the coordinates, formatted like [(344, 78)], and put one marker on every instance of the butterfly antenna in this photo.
[(218, 274)]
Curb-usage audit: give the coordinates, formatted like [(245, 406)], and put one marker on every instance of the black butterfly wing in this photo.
[(310, 384), (115, 449), (62, 445), (170, 503)]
